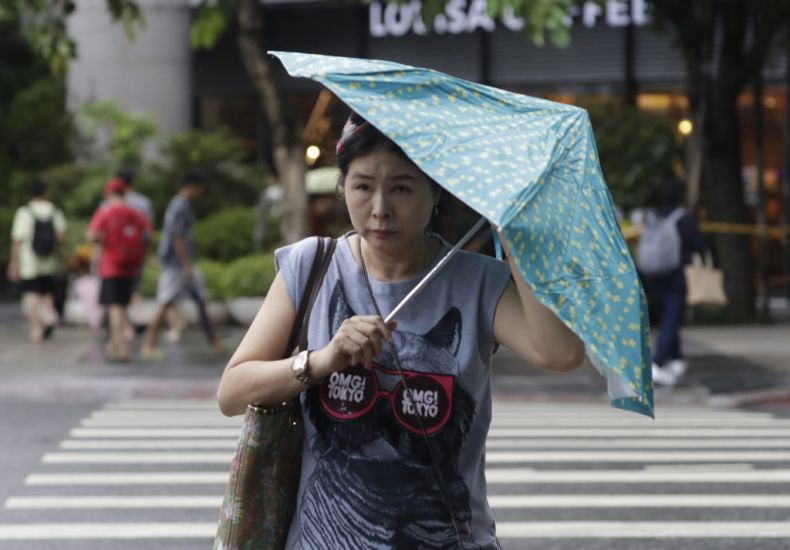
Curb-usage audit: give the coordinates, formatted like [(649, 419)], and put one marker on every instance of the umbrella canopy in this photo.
[(530, 166)]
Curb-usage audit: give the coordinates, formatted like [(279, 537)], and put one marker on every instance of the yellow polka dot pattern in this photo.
[(531, 167)]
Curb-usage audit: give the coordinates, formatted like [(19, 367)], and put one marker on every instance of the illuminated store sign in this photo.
[(462, 16)]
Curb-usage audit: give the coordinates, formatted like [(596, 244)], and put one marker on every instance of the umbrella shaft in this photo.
[(435, 271)]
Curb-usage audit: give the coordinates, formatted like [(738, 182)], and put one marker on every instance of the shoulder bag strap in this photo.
[(329, 250), (323, 255)]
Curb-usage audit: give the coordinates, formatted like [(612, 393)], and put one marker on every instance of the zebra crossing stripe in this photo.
[(640, 529), (493, 457), (635, 443), (165, 415), (175, 405), (575, 414), (155, 432), (172, 444), (639, 501), (129, 478), (496, 443), (498, 406), (142, 403), (502, 457), (51, 531), (647, 432), (496, 501), (505, 530), (218, 421), (643, 422), (106, 502), (614, 413), (149, 444), (161, 421), (138, 458), (530, 475), (493, 476)]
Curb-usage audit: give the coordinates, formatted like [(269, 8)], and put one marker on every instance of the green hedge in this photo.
[(226, 235), (248, 276), (212, 272)]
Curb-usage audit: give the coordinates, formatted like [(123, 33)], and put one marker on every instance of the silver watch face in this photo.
[(300, 364)]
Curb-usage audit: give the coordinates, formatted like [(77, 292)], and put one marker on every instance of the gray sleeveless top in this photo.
[(367, 476)]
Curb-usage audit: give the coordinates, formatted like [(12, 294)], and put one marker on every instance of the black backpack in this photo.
[(44, 238)]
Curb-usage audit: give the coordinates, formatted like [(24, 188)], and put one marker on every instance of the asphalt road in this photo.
[(561, 476), (87, 461)]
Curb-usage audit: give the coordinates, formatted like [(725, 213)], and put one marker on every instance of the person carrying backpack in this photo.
[(123, 233), (38, 229), (670, 238)]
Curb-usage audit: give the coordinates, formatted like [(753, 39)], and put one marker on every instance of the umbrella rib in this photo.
[(435, 271)]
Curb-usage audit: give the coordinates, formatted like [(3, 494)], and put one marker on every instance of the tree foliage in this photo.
[(637, 150), (44, 24)]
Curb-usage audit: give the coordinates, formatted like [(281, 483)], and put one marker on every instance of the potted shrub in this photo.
[(244, 284)]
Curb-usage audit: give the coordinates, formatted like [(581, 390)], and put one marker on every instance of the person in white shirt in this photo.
[(38, 229)]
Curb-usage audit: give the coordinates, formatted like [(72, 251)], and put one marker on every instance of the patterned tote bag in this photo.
[(260, 498)]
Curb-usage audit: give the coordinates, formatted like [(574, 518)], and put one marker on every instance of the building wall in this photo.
[(151, 74)]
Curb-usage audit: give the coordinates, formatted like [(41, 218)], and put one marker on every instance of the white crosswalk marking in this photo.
[(157, 469)]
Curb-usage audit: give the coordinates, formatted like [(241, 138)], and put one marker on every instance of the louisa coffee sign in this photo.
[(462, 16)]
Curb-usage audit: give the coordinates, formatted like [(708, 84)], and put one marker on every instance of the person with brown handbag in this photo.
[(394, 415), (670, 238)]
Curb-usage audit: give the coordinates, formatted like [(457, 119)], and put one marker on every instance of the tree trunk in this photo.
[(287, 144), (724, 198), (786, 182)]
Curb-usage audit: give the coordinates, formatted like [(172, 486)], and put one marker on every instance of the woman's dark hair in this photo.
[(360, 138), (671, 193), (37, 187)]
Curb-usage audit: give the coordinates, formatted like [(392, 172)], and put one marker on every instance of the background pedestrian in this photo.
[(37, 231), (123, 233), (180, 276), (670, 237)]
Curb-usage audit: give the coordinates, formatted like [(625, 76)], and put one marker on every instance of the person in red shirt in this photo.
[(123, 233)]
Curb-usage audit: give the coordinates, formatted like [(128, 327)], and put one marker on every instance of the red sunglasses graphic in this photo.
[(353, 392)]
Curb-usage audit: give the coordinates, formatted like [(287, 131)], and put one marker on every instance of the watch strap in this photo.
[(302, 376)]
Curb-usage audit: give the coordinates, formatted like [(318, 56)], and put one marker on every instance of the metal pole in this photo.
[(759, 146), (435, 271)]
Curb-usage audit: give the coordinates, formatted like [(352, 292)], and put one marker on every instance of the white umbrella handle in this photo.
[(435, 271)]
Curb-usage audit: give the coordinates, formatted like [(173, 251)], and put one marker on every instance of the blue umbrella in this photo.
[(530, 167)]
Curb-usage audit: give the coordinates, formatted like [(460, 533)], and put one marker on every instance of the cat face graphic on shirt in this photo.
[(375, 480)]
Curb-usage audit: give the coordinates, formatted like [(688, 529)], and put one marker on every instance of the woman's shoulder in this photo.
[(481, 263), (297, 255), (299, 246)]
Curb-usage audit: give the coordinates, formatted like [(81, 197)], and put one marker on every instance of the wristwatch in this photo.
[(299, 368)]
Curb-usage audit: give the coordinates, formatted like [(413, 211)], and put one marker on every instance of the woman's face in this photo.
[(389, 199)]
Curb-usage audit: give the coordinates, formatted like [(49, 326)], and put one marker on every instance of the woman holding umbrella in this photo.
[(396, 415)]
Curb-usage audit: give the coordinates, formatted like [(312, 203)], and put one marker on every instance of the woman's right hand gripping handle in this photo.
[(254, 373), (358, 341)]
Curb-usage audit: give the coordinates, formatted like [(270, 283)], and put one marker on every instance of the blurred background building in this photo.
[(612, 53), (617, 53)]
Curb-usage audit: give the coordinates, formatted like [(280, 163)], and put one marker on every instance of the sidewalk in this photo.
[(728, 366)]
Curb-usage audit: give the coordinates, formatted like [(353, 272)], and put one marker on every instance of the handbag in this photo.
[(704, 283), (260, 498)]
